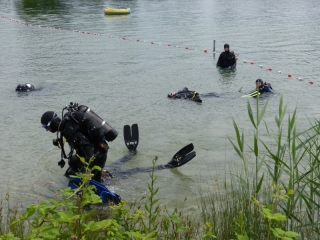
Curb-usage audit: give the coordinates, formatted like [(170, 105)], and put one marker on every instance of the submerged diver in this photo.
[(182, 157), (263, 87), (27, 87), (85, 132), (185, 94), (227, 59)]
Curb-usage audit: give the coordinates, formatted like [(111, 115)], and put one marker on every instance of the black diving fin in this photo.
[(131, 136), (183, 156)]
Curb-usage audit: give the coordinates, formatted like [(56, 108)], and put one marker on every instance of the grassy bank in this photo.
[(275, 195)]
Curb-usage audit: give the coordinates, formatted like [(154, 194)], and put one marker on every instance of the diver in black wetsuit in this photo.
[(185, 94), (27, 87), (227, 59), (263, 87), (79, 139)]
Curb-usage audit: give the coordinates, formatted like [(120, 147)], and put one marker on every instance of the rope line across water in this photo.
[(289, 76)]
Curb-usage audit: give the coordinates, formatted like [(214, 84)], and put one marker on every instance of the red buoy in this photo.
[(187, 48), (137, 40), (151, 42), (124, 38), (270, 69), (169, 45), (205, 51), (311, 82), (289, 75), (252, 63), (237, 59)]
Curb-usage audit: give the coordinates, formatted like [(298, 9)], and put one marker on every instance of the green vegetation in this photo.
[(274, 196)]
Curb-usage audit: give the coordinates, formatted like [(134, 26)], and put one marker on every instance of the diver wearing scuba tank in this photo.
[(84, 133), (185, 93)]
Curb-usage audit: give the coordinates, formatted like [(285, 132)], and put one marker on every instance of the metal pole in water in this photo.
[(214, 47)]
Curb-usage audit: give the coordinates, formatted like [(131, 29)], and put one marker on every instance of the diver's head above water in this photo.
[(50, 121), (259, 83), (226, 47)]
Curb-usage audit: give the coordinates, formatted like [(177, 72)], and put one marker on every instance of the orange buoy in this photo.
[(289, 75)]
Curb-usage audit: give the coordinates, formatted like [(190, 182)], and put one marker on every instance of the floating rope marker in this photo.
[(299, 78)]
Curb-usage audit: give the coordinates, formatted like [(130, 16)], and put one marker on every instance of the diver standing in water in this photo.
[(227, 59), (85, 132)]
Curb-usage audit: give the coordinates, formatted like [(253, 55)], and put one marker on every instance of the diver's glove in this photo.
[(61, 163), (55, 142)]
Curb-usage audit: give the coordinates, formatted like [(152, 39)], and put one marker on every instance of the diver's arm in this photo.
[(219, 61)]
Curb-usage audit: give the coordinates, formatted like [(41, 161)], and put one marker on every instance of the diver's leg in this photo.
[(100, 160)]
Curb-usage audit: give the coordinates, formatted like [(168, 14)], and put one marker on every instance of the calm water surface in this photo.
[(126, 82)]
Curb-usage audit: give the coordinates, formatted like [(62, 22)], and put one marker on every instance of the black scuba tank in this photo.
[(97, 129)]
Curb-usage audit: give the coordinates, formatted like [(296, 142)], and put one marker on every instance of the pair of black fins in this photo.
[(131, 139)]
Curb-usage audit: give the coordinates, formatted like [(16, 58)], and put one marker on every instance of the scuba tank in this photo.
[(97, 129)]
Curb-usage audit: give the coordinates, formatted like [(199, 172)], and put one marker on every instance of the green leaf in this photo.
[(259, 184), (262, 112), (242, 237), (291, 234), (255, 142), (251, 114)]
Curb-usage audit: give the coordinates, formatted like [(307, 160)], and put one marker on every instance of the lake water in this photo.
[(126, 81)]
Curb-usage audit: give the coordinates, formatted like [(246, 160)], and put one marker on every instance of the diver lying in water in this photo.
[(27, 87), (185, 94), (190, 95)]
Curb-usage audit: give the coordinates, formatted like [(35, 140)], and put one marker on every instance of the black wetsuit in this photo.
[(186, 94), (84, 147), (24, 88), (227, 60), (266, 87)]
